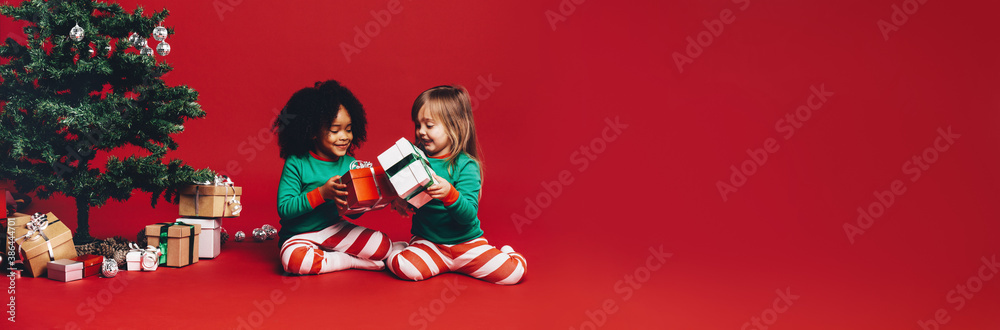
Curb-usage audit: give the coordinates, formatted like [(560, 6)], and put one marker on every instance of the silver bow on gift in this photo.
[(36, 229), (221, 180), (151, 258)]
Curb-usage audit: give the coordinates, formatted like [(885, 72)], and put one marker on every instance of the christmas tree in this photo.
[(82, 83)]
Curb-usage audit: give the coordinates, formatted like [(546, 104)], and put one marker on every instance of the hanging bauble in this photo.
[(163, 48), (76, 33), (146, 51), (136, 40), (160, 33)]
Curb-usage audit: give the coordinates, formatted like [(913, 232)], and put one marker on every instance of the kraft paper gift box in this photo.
[(210, 240), (409, 172), (91, 264), (210, 201), (65, 270), (42, 238), (178, 242), (368, 188)]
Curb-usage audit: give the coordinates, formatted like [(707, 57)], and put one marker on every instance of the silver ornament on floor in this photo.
[(163, 48), (76, 33), (271, 232), (160, 33), (240, 236), (109, 268), (259, 235)]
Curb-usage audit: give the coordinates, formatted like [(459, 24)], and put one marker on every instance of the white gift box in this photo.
[(409, 173), (210, 244), (133, 259), (65, 270)]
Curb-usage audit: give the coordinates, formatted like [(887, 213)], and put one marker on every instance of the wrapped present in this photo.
[(220, 198), (142, 259), (210, 244), (91, 264), (133, 259), (42, 238), (409, 172), (65, 270), (368, 188), (177, 241)]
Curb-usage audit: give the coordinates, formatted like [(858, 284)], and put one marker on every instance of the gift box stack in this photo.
[(368, 188), (41, 239), (409, 172), (202, 207)]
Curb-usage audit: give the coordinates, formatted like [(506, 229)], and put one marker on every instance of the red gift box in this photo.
[(91, 264), (368, 188)]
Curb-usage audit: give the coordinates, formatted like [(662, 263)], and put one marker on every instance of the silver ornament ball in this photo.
[(146, 51), (109, 268), (76, 33), (259, 235), (163, 48), (240, 236), (160, 33), (267, 227)]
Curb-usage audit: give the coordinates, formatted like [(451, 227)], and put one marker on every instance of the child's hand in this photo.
[(401, 207), (440, 189), (336, 191)]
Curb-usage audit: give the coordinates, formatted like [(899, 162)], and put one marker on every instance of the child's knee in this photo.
[(402, 267), (384, 246)]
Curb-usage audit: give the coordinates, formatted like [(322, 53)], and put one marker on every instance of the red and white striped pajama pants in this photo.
[(334, 248), (424, 259)]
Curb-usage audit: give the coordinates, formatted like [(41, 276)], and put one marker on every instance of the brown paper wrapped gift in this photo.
[(42, 240), (181, 246), (210, 201)]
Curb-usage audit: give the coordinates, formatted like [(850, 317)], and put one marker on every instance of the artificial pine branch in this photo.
[(63, 101)]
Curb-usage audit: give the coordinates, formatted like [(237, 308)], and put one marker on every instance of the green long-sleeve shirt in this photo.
[(452, 221), (301, 207)]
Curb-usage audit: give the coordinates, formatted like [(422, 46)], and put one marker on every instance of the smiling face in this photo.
[(431, 134), (333, 142)]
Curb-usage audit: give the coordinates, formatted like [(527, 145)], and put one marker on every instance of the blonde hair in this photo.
[(450, 104)]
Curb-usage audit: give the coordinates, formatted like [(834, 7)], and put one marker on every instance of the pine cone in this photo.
[(140, 238), (225, 237)]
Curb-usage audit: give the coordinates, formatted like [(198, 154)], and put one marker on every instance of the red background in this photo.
[(654, 185)]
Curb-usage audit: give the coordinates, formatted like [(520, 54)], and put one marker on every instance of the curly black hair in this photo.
[(310, 111)]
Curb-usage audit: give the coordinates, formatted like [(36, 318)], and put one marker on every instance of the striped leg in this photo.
[(355, 240), (302, 254), (419, 261), (479, 259)]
